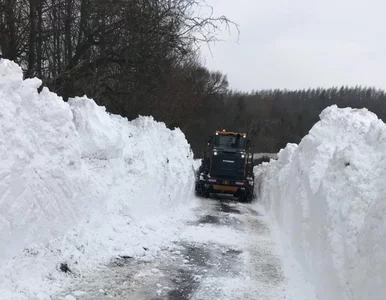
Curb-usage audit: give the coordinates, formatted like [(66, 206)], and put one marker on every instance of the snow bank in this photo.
[(78, 185), (328, 196)]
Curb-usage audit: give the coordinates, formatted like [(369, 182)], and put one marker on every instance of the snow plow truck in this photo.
[(226, 166)]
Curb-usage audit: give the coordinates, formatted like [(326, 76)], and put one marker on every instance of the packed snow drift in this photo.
[(328, 195), (79, 186)]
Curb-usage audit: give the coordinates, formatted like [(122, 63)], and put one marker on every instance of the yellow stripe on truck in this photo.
[(231, 132), (225, 188)]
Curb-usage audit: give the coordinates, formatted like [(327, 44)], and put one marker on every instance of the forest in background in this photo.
[(141, 57)]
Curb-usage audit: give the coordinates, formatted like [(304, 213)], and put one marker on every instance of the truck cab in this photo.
[(227, 166)]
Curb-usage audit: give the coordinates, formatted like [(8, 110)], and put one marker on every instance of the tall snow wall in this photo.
[(328, 196), (72, 168)]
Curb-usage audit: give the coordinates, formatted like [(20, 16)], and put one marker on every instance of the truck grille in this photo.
[(227, 166)]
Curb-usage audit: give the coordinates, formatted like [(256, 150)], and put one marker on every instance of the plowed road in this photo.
[(226, 252)]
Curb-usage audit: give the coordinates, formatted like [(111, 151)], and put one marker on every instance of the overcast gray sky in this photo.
[(301, 43)]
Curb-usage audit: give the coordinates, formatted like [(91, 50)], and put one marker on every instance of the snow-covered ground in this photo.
[(328, 196), (79, 186), (226, 251)]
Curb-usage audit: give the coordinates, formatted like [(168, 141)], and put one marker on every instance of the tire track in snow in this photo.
[(226, 253)]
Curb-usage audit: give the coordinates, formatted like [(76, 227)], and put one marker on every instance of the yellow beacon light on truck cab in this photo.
[(243, 134)]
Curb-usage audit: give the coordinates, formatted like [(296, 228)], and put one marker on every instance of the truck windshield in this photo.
[(230, 141)]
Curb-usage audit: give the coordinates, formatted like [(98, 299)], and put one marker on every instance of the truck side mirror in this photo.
[(210, 141)]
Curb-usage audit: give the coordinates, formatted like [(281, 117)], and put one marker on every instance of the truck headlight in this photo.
[(215, 153)]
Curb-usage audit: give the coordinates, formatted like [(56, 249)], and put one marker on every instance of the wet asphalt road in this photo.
[(225, 253)]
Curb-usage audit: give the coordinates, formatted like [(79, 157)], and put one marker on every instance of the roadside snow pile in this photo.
[(79, 186), (328, 196), (259, 158), (265, 155)]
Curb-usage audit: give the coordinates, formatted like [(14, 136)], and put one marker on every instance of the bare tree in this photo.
[(8, 33)]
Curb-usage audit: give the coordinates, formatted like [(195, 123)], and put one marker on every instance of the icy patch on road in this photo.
[(206, 233), (79, 186), (328, 198)]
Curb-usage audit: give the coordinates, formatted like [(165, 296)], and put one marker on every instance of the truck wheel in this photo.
[(198, 190), (249, 198), (243, 198), (201, 191), (246, 197)]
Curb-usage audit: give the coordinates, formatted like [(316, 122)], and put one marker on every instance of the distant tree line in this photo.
[(140, 57), (273, 118)]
